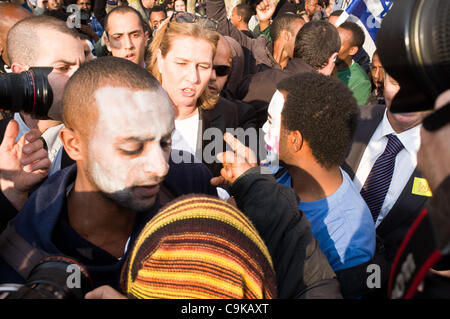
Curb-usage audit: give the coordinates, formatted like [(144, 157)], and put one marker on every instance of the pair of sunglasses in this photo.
[(222, 70), (186, 17)]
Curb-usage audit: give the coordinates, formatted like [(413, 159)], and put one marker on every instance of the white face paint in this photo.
[(272, 126), (130, 146)]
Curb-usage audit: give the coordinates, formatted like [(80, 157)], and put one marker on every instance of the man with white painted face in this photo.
[(92, 210), (310, 131)]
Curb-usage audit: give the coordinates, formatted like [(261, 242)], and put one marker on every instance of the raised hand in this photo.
[(234, 163), (265, 10), (23, 164)]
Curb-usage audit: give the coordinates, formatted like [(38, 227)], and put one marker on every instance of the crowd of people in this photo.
[(143, 173)]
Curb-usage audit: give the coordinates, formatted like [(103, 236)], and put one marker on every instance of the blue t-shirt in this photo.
[(341, 223)]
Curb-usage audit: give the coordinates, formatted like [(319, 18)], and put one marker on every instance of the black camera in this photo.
[(414, 48), (28, 91), (55, 277)]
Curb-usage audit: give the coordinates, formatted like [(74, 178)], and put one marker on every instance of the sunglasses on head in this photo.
[(222, 70), (186, 17)]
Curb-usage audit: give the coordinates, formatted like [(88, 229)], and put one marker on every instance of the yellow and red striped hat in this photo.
[(199, 247)]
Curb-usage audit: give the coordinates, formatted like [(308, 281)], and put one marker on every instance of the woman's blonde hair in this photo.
[(163, 41)]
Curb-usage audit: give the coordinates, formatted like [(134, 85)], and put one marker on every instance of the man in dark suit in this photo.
[(406, 192)]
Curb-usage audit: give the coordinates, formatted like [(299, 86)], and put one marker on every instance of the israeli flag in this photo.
[(368, 14)]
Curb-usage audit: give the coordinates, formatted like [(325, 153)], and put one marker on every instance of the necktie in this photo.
[(377, 183)]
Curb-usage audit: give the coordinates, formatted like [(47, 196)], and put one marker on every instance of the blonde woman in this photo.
[(183, 50)]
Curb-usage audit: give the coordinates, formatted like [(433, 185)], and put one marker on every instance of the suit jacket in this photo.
[(227, 114), (393, 228), (395, 225), (257, 89)]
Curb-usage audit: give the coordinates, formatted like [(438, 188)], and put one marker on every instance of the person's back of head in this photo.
[(199, 247), (10, 14), (358, 36), (316, 42), (336, 13), (334, 16), (284, 22), (245, 11), (324, 111)]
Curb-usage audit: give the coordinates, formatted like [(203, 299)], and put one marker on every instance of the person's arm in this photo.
[(264, 11), (216, 10), (302, 269)]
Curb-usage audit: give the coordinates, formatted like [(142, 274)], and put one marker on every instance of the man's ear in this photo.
[(330, 66), (286, 35), (353, 50), (72, 143), (295, 141), (2, 47), (18, 68)]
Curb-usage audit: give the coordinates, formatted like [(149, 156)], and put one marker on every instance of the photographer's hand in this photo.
[(23, 164), (104, 292), (234, 163), (433, 158)]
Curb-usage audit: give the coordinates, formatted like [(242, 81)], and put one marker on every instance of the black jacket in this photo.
[(302, 269), (227, 114), (257, 89), (38, 221)]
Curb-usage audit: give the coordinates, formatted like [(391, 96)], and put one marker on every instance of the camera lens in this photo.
[(55, 277), (414, 48), (28, 91)]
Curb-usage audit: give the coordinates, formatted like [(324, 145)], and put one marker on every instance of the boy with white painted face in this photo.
[(309, 131), (93, 210)]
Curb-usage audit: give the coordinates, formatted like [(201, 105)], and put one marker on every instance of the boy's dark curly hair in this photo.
[(324, 111)]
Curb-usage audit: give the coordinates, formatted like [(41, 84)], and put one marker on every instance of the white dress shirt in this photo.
[(184, 137), (405, 162)]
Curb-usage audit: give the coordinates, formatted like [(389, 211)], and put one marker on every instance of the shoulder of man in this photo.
[(302, 269)]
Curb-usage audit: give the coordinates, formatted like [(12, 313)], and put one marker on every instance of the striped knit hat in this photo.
[(199, 247)]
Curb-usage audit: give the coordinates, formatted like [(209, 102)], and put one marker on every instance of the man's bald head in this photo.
[(10, 14), (23, 41), (223, 49), (222, 61), (80, 111)]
